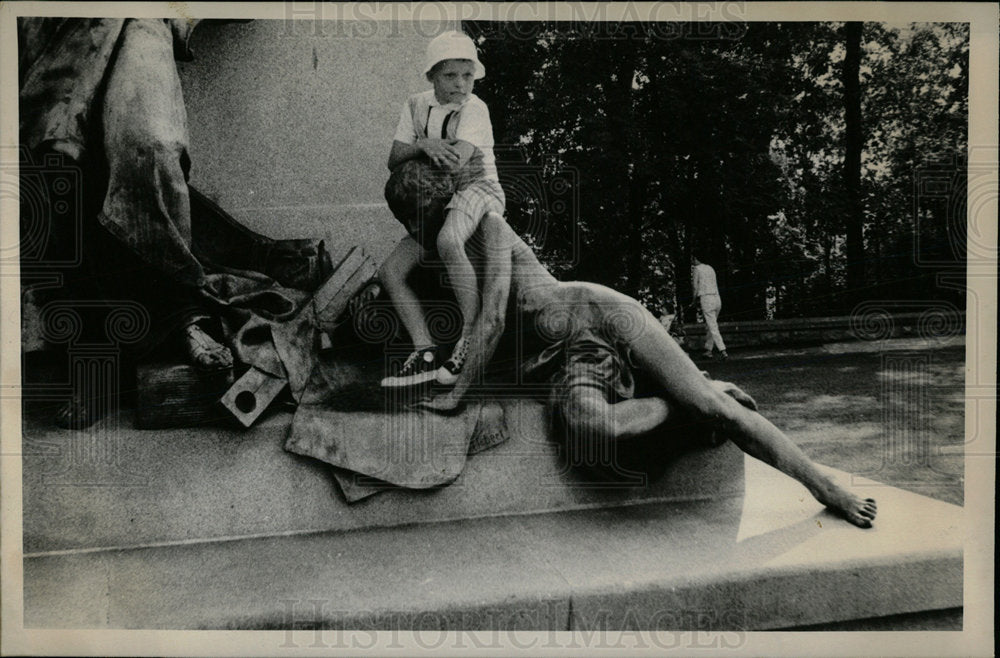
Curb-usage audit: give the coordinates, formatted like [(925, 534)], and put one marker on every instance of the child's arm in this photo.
[(408, 144), (441, 152)]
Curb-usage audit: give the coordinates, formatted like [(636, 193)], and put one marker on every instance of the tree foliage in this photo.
[(729, 140)]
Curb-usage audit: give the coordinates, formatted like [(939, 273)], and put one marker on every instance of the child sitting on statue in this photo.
[(430, 125)]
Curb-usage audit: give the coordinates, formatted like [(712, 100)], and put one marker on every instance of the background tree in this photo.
[(733, 140), (853, 144)]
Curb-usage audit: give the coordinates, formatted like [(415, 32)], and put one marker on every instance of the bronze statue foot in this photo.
[(203, 350), (359, 308)]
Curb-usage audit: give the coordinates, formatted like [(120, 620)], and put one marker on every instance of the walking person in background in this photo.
[(706, 292)]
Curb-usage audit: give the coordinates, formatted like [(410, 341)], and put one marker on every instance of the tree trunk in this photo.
[(828, 267), (854, 141), (634, 170)]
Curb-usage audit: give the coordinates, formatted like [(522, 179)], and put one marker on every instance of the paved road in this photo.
[(893, 411)]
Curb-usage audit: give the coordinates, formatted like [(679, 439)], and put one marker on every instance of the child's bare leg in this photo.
[(656, 352), (393, 275), (458, 228)]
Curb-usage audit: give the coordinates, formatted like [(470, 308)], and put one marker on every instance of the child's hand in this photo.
[(440, 151)]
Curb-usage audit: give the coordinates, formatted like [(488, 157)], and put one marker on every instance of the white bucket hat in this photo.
[(453, 45)]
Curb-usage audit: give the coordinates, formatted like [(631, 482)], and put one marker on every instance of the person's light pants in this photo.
[(710, 307)]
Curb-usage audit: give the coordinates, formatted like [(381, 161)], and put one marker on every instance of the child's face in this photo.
[(453, 80)]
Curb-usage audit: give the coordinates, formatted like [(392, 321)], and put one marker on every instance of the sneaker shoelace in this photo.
[(410, 365), (461, 352)]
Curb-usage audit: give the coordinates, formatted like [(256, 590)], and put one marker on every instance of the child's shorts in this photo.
[(478, 198)]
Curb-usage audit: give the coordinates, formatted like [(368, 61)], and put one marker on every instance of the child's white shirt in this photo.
[(423, 116)]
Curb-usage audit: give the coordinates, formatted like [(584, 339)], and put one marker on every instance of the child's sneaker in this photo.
[(448, 373), (420, 367)]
